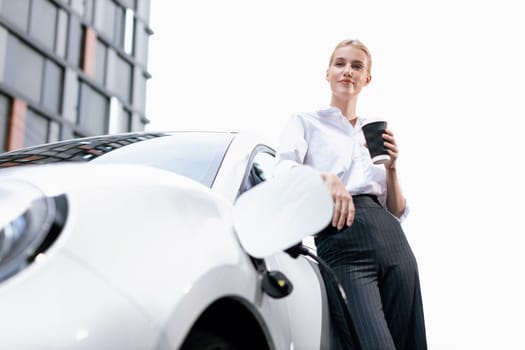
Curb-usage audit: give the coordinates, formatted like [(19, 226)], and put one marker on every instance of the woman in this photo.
[(365, 244)]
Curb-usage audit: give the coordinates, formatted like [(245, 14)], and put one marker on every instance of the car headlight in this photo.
[(27, 218)]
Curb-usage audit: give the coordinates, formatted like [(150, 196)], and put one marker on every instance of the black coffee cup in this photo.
[(374, 140)]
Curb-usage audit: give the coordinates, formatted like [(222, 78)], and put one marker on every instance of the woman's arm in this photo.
[(395, 201)]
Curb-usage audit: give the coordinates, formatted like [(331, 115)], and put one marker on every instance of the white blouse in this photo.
[(326, 141)]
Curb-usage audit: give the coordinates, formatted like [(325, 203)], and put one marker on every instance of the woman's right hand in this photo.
[(344, 210)]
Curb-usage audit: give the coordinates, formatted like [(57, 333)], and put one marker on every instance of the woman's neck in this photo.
[(347, 107)]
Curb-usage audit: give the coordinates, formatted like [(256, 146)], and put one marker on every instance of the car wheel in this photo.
[(200, 340)]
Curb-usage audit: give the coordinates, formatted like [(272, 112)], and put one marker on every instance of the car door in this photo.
[(305, 308)]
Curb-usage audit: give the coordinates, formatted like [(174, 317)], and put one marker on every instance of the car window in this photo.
[(195, 155), (260, 167)]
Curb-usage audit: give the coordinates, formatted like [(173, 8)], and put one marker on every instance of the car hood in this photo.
[(127, 212), (56, 179)]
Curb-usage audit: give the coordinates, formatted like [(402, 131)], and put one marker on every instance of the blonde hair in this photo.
[(358, 44)]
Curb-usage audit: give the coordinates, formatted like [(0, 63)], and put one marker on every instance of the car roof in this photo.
[(195, 154)]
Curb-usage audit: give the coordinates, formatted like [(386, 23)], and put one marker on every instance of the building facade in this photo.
[(71, 68)]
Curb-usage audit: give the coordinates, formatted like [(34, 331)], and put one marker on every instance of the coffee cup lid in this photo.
[(370, 121)]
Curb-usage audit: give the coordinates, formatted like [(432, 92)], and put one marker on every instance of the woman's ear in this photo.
[(368, 79)]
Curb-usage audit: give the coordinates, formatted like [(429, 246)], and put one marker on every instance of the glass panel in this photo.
[(24, 68), (261, 168), (66, 133), (128, 3), (195, 155), (17, 11), (129, 31), (61, 38), (88, 15), (136, 122), (54, 132), (264, 164), (70, 95), (100, 62), (139, 94), (125, 125), (4, 37), (78, 6), (74, 47), (43, 19), (5, 103), (143, 7), (36, 129), (108, 25), (122, 78), (119, 26), (141, 44), (53, 78), (119, 117), (93, 110)]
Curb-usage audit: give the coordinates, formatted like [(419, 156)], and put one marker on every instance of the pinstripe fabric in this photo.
[(375, 265)]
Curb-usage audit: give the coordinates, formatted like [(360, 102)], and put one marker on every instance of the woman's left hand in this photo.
[(391, 147)]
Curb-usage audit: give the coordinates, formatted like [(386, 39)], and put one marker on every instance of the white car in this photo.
[(146, 241)]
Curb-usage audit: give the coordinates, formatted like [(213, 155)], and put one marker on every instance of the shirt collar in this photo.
[(330, 112), (334, 112)]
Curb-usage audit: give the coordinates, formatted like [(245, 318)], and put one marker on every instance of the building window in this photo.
[(61, 37), (16, 11), (88, 14), (93, 110), (121, 78), (143, 8), (36, 129), (129, 31), (125, 120), (43, 22), (54, 132), (139, 91), (130, 4), (52, 93), (5, 103), (119, 26), (110, 21), (24, 68), (141, 43), (4, 37), (105, 11), (100, 62), (74, 47), (67, 133), (119, 117)]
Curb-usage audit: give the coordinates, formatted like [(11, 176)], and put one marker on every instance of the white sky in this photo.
[(448, 75)]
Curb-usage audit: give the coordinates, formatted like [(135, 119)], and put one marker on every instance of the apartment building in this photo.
[(71, 68)]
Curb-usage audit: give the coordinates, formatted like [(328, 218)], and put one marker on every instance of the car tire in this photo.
[(200, 340)]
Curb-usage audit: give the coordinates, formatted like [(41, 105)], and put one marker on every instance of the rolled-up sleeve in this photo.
[(382, 200)]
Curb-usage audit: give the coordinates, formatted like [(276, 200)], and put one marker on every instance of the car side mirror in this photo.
[(281, 211)]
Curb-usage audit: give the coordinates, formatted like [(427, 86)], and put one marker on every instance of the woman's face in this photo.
[(348, 72)]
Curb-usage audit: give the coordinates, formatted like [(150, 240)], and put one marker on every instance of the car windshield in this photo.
[(197, 155)]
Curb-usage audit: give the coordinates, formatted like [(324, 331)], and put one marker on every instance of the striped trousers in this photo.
[(378, 271)]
